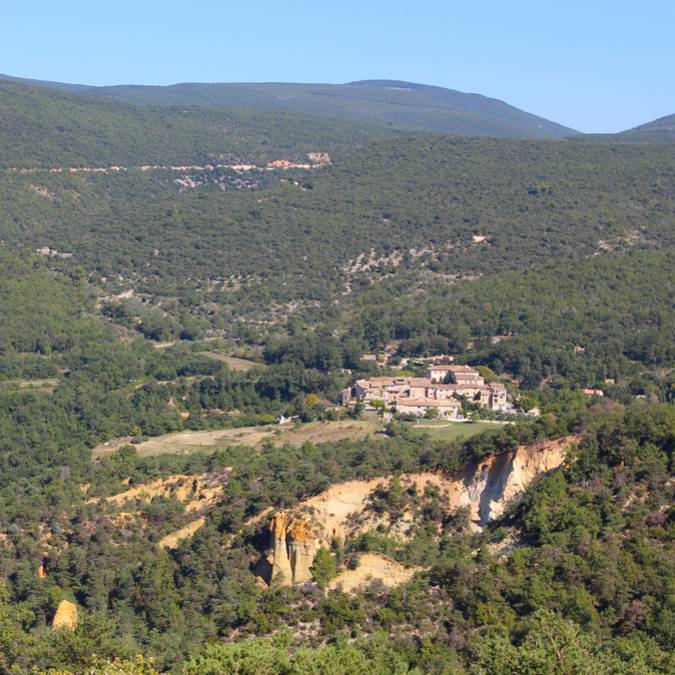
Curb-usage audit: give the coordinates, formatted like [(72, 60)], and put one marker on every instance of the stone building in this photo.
[(440, 389)]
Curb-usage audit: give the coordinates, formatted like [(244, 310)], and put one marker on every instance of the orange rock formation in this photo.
[(66, 615), (293, 549), (485, 487)]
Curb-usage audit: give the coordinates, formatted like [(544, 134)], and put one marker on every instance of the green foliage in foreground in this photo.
[(586, 578), (549, 645), (373, 656)]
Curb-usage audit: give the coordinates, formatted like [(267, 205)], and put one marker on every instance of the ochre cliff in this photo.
[(293, 549), (485, 487), (66, 615)]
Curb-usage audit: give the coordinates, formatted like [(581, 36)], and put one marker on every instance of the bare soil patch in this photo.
[(371, 567), (233, 362), (185, 442)]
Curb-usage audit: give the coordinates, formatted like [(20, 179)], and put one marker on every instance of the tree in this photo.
[(395, 496), (323, 568), (551, 645), (15, 643)]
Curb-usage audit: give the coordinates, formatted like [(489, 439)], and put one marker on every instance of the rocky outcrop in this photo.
[(171, 541), (293, 549), (484, 487), (493, 483), (66, 615), (198, 492)]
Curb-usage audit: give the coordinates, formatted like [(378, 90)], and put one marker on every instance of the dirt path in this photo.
[(282, 164)]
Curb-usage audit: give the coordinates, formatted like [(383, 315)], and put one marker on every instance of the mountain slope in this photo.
[(402, 105), (661, 130), (49, 128), (413, 204)]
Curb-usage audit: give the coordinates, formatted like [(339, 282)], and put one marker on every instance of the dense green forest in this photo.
[(610, 316), (386, 103), (425, 210), (45, 128)]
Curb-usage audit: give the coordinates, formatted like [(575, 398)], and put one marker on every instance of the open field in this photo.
[(185, 442), (233, 362), (451, 431)]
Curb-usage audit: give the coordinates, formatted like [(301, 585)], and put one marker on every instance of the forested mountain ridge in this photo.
[(661, 130), (41, 127), (402, 105)]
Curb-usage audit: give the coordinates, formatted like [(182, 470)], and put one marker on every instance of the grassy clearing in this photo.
[(185, 442), (451, 431), (233, 362)]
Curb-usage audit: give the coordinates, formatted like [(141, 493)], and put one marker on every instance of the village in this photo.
[(439, 394)]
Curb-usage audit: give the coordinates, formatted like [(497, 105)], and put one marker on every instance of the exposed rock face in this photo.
[(281, 564), (496, 481), (374, 566), (342, 511), (293, 548), (198, 491), (172, 540), (302, 547), (66, 615)]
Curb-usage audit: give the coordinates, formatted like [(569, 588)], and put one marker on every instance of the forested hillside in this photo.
[(661, 130), (46, 128), (586, 571), (220, 245), (585, 552), (598, 318), (389, 103)]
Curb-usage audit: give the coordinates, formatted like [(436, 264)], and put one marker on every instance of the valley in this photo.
[(363, 378)]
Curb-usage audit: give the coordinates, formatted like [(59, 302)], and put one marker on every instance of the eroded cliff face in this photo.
[(344, 511), (496, 481), (293, 548)]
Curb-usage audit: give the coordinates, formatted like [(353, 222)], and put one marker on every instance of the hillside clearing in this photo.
[(46, 385), (452, 431), (185, 442), (373, 566), (233, 362)]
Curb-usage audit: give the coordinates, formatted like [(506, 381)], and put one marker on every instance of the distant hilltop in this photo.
[(391, 103)]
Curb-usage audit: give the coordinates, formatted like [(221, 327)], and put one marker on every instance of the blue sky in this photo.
[(593, 65)]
